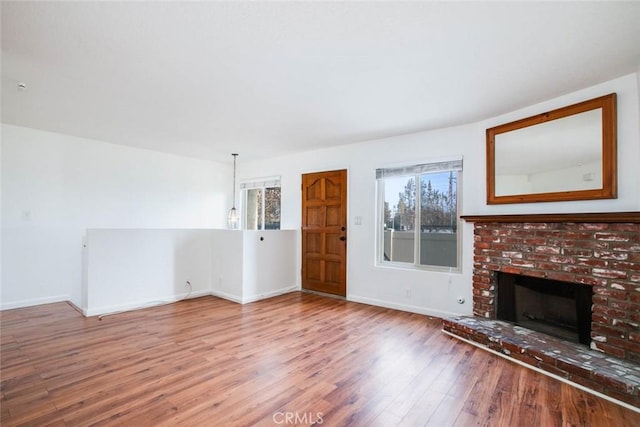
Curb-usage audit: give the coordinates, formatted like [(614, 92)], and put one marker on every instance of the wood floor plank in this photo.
[(207, 361)]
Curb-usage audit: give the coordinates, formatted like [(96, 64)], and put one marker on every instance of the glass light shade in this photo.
[(233, 220)]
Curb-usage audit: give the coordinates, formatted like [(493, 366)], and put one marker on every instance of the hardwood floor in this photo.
[(294, 359)]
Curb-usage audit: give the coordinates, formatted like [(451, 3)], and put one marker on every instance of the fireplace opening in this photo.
[(556, 308)]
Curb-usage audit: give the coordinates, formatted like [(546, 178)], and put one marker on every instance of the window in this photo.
[(261, 204), (418, 215)]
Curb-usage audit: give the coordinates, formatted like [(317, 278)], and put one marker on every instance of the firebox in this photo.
[(556, 308)]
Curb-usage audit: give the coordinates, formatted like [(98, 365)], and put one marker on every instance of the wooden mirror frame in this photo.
[(609, 188)]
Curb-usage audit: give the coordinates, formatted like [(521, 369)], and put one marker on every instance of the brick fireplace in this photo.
[(598, 250)]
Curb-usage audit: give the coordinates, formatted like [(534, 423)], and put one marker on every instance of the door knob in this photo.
[(343, 238), (342, 228)]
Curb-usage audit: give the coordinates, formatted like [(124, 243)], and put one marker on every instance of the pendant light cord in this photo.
[(234, 180)]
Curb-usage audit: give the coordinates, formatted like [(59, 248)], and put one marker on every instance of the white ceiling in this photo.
[(205, 79)]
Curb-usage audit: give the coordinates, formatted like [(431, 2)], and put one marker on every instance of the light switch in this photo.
[(357, 220)]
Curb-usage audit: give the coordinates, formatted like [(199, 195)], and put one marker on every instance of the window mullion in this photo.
[(262, 208), (418, 221)]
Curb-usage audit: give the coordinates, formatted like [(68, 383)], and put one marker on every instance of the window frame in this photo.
[(261, 184), (417, 170)]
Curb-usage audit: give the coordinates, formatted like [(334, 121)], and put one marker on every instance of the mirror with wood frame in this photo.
[(561, 155)]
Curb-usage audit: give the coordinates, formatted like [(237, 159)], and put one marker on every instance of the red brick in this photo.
[(634, 336), (593, 226), (610, 312), (481, 272), (576, 235), (540, 357), (536, 273), (501, 247), (576, 269), (522, 263), (511, 225), (612, 237), (627, 266), (592, 244), (482, 285), (574, 369), (624, 397), (564, 243), (608, 273), (626, 247), (512, 270), (593, 385), (523, 357), (598, 318), (608, 349), (536, 226), (592, 262), (561, 259), (563, 277), (597, 299), (535, 241), (620, 256), (627, 306), (543, 233), (512, 254), (479, 232), (549, 266), (482, 245), (553, 369), (610, 382), (625, 227), (625, 344), (598, 329), (614, 293), (578, 252), (586, 280), (631, 326)]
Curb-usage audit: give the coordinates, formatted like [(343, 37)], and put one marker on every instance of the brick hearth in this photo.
[(599, 250)]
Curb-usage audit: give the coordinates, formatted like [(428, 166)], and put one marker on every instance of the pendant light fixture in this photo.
[(232, 219)]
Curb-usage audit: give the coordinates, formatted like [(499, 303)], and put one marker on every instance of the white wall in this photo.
[(435, 292), (269, 263), (628, 151), (246, 268), (55, 187), (131, 268)]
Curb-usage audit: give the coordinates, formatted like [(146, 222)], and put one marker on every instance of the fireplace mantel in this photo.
[(601, 217)]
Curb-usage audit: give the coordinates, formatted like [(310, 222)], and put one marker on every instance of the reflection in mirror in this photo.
[(564, 154), (560, 155)]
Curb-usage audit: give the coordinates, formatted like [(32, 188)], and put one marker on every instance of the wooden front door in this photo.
[(324, 232)]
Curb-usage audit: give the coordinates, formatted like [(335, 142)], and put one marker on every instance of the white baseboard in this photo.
[(35, 301), (112, 309), (229, 297), (258, 297), (402, 307), (255, 297)]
